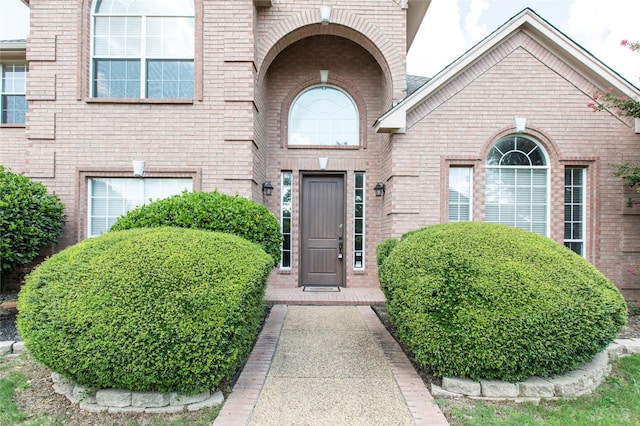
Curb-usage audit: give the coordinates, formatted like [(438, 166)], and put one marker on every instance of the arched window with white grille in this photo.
[(517, 184)]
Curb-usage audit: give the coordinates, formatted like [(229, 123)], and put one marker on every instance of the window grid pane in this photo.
[(359, 221), (109, 198), (138, 31), (460, 186), (170, 79), (574, 209), (285, 218), (13, 100)]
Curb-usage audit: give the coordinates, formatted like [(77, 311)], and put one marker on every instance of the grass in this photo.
[(615, 402), (18, 373)]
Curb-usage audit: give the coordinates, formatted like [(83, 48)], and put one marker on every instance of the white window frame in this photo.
[(142, 198), (362, 189), (457, 202), (544, 167), (4, 92), (582, 204), (142, 57), (283, 204), (292, 139)]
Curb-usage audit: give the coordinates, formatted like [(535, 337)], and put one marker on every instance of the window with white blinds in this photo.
[(143, 49), (574, 208), (110, 198), (517, 185), (460, 193)]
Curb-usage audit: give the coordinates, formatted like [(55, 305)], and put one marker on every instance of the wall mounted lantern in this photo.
[(267, 188), (379, 189), (521, 124), (138, 168)]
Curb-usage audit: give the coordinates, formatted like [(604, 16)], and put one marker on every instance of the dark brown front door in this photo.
[(322, 236)]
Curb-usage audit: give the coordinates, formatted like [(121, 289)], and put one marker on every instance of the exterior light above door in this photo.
[(379, 189), (267, 188)]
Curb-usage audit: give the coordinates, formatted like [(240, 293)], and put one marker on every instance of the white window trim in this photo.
[(9, 93), (364, 221), (282, 205), (143, 58), (545, 167), (583, 204), (471, 172)]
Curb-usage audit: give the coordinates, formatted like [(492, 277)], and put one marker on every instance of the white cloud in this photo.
[(474, 31), (439, 41), (599, 26), (14, 20)]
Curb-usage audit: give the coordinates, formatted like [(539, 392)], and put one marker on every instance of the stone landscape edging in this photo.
[(125, 401), (121, 400), (583, 380)]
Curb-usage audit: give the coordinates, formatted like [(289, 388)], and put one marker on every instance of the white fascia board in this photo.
[(541, 31)]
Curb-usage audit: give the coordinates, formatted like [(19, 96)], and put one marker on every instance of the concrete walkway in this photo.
[(328, 365)]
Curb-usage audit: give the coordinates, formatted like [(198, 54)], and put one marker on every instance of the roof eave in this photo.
[(416, 10), (544, 33)]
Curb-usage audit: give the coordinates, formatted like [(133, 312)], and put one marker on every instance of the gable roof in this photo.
[(590, 67)]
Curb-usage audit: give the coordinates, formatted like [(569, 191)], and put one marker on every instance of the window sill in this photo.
[(284, 271), (137, 101), (12, 126), (324, 146)]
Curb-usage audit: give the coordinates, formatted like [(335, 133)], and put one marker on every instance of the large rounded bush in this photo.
[(212, 211), (164, 309), (489, 301)]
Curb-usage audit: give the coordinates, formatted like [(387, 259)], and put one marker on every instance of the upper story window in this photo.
[(517, 184), (143, 49), (13, 102), (323, 116)]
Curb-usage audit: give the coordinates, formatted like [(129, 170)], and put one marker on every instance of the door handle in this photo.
[(340, 248)]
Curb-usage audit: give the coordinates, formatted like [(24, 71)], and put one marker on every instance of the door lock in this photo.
[(340, 248)]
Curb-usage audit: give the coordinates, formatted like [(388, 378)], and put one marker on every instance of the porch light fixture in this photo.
[(324, 76), (521, 124), (267, 188), (379, 189), (325, 14), (138, 168)]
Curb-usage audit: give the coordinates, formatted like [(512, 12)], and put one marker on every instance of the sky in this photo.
[(451, 27)]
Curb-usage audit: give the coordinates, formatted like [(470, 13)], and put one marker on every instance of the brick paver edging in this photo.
[(239, 405), (419, 400)]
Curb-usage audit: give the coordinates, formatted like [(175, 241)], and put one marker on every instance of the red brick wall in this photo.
[(461, 122)]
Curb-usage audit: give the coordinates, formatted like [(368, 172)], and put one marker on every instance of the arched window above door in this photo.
[(323, 116)]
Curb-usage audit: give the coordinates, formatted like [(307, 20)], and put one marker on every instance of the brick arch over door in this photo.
[(343, 24)]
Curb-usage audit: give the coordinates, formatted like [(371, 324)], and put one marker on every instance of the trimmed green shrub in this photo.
[(29, 219), (212, 211), (164, 309), (489, 301), (384, 248)]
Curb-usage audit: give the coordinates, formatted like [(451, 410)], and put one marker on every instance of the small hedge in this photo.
[(30, 219), (212, 211), (164, 309), (488, 301)]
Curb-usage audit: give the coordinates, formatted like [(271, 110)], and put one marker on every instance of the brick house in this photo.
[(305, 106)]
